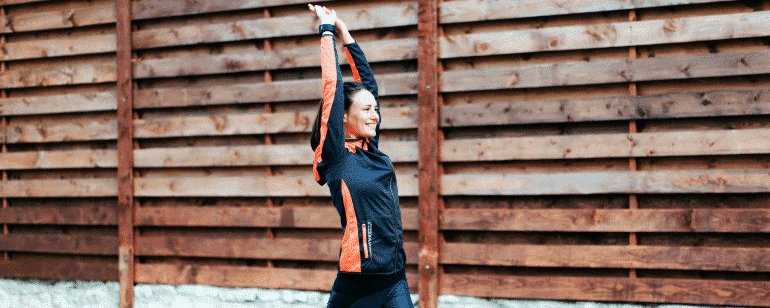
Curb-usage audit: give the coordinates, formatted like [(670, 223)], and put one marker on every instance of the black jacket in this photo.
[(360, 177)]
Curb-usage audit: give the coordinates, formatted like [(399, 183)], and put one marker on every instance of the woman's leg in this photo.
[(399, 296)]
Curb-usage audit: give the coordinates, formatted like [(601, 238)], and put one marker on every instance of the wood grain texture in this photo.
[(90, 244), (60, 268), (59, 19), (59, 188), (243, 276), (84, 159), (247, 248), (278, 186), (60, 47), (62, 132), (260, 155), (249, 124), (593, 36), (252, 217), (53, 104), (608, 71), (235, 276), (601, 220), (608, 256), (59, 75), (279, 91), (477, 10), (610, 182), (374, 17), (651, 290), (663, 106), (684, 143), (160, 8), (379, 51), (13, 2), (86, 215)]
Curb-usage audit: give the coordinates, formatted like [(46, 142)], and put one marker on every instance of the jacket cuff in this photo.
[(326, 27)]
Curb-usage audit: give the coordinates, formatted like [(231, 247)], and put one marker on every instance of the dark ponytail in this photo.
[(349, 88)]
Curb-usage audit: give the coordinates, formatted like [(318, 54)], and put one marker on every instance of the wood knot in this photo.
[(672, 25), (602, 32), (513, 78), (481, 47), (554, 43)]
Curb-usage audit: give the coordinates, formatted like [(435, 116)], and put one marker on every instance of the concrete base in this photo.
[(36, 294)]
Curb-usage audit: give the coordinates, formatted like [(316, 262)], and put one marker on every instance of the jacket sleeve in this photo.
[(363, 73), (332, 131)]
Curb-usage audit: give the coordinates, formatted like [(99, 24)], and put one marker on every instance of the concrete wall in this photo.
[(36, 294)]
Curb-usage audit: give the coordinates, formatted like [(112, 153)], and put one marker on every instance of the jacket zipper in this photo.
[(398, 240)]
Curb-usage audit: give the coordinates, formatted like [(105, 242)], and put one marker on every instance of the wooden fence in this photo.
[(565, 150)]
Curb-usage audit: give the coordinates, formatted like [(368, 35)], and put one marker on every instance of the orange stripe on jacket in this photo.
[(329, 77), (350, 257), (366, 249), (353, 67), (351, 145)]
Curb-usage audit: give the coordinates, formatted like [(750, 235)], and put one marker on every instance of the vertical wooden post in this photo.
[(632, 91), (268, 46), (428, 136), (125, 153), (4, 94)]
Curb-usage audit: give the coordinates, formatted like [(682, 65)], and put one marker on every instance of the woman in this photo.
[(360, 177)]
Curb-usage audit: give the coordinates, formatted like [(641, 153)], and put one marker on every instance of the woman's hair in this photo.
[(349, 88)]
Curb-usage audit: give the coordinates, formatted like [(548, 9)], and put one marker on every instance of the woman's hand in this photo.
[(325, 15)]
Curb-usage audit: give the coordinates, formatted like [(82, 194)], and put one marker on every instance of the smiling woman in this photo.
[(361, 178)]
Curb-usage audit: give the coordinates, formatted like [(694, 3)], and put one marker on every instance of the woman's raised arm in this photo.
[(332, 130)]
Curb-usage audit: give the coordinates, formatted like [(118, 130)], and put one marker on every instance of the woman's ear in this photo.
[(345, 117)]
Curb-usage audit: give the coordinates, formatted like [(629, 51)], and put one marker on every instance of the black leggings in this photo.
[(370, 291)]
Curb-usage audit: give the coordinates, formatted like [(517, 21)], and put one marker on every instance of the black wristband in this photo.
[(326, 27)]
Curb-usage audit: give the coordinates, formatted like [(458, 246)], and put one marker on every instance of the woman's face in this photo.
[(361, 118)]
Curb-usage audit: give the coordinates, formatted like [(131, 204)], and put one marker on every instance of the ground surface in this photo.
[(24, 294)]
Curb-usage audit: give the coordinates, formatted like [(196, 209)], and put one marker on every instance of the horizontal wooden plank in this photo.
[(603, 220), (251, 248), (13, 2), (59, 75), (249, 124), (278, 186), (224, 125), (58, 159), (160, 8), (84, 45), (86, 215), (235, 276), (380, 51), (670, 105), (610, 182), (608, 71), (388, 16), (609, 256), (243, 276), (66, 103), (95, 14), (649, 290), (64, 268), (636, 33), (686, 143), (259, 155), (389, 84), (90, 244), (477, 10), (251, 217), (82, 130), (59, 188)]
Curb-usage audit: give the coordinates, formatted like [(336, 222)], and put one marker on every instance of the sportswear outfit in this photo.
[(363, 189)]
